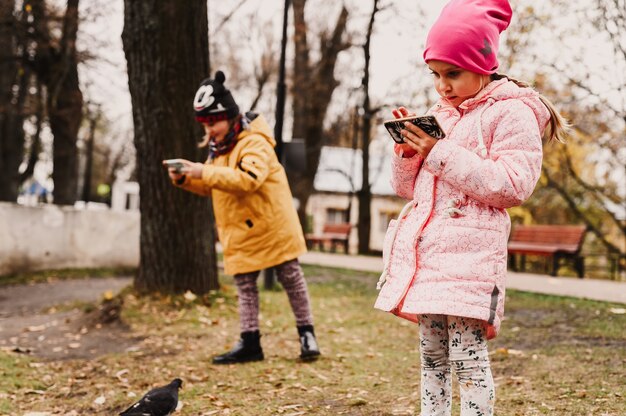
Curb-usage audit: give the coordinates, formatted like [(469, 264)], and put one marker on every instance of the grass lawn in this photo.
[(555, 356)]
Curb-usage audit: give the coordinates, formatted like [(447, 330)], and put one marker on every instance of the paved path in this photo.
[(23, 300), (13, 299), (604, 290)]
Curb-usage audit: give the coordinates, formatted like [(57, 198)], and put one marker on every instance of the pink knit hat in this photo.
[(467, 32)]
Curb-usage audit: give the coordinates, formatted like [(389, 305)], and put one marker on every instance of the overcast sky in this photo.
[(106, 82)]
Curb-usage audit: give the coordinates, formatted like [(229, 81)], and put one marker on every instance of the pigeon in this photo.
[(160, 401)]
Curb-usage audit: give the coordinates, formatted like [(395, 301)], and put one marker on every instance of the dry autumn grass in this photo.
[(556, 356)]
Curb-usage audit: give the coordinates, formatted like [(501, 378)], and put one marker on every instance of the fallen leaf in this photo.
[(357, 401), (190, 296), (207, 321), (291, 406), (321, 376), (35, 328)]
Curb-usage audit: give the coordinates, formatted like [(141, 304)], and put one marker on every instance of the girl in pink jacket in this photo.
[(445, 257)]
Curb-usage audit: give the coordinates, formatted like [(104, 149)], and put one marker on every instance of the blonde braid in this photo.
[(558, 127)]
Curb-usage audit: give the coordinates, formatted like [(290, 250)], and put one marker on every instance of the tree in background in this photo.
[(365, 193), (105, 154), (56, 65), (313, 84), (39, 80), (17, 103), (583, 179), (165, 43), (251, 59)]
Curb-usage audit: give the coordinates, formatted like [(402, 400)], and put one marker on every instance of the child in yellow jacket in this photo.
[(257, 223)]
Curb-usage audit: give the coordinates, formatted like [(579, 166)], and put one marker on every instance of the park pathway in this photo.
[(595, 289), (22, 299)]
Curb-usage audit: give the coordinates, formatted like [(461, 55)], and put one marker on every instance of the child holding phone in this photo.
[(446, 255), (256, 220)]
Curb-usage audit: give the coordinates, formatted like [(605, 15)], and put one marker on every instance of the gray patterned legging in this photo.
[(290, 276), (453, 342)]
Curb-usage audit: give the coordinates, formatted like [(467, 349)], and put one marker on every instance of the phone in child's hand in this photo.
[(427, 123), (176, 164)]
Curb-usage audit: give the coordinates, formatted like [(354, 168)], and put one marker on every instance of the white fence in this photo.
[(52, 237)]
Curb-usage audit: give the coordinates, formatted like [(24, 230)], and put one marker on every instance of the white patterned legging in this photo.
[(290, 276), (453, 342)]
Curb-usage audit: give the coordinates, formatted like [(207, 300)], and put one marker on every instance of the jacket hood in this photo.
[(259, 126), (504, 89)]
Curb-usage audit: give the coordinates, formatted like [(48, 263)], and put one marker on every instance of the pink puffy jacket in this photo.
[(448, 254)]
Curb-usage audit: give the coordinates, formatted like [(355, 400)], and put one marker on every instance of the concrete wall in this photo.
[(52, 237), (47, 236)]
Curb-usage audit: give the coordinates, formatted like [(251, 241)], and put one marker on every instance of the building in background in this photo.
[(335, 200)]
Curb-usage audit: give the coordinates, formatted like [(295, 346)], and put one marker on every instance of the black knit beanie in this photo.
[(213, 102)]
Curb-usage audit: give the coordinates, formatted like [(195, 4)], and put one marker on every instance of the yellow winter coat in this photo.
[(256, 220)]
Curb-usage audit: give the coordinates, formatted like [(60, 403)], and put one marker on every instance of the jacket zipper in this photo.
[(418, 235)]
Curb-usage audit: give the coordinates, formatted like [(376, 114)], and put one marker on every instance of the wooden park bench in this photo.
[(552, 241), (333, 235)]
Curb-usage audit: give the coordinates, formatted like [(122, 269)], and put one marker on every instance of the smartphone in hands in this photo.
[(427, 123), (176, 164)]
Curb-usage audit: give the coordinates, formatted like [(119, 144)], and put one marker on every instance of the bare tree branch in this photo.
[(574, 207), (229, 15), (35, 145)]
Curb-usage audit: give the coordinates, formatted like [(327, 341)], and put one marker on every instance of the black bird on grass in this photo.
[(160, 401)]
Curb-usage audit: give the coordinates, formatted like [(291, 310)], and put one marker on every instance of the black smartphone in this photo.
[(427, 123)]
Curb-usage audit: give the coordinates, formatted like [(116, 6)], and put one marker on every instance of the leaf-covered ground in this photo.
[(555, 356)]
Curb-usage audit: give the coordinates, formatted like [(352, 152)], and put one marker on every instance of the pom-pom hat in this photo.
[(213, 101), (467, 34)]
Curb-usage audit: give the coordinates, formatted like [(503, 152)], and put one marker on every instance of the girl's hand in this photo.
[(401, 112), (403, 149), (417, 140)]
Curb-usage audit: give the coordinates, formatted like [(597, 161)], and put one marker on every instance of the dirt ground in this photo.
[(50, 320), (557, 355)]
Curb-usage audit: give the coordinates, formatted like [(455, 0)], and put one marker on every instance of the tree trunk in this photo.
[(35, 141), (365, 194), (56, 64), (11, 119), (313, 86), (165, 43), (65, 112)]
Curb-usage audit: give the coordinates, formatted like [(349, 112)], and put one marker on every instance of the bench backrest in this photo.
[(549, 234), (342, 228)]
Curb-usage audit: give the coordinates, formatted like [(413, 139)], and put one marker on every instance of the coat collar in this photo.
[(483, 95)]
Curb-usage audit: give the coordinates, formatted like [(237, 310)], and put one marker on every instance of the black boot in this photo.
[(247, 349), (309, 350)]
